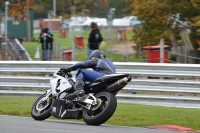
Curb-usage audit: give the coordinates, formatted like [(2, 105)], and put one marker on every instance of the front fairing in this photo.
[(59, 83)]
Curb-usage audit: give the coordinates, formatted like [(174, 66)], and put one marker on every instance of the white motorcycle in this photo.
[(95, 107)]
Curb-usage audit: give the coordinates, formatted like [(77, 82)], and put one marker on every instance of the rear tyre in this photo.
[(41, 109), (98, 115)]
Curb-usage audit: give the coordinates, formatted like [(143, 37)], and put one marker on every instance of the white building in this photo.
[(126, 21)]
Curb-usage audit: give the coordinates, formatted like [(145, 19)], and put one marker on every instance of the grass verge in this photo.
[(125, 115)]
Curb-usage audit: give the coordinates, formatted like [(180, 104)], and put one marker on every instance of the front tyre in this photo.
[(100, 114), (41, 108)]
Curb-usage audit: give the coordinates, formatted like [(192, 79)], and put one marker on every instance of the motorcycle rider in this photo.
[(98, 62)]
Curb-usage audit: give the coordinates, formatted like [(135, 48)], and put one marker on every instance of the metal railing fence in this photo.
[(174, 85)]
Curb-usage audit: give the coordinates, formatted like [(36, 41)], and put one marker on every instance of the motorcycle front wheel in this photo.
[(41, 108), (100, 113)]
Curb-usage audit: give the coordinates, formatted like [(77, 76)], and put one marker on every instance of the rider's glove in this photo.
[(64, 70)]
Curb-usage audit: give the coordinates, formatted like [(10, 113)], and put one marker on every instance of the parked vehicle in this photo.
[(96, 107), (127, 21), (134, 22)]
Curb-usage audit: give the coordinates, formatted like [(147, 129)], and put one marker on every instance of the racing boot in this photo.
[(79, 91)]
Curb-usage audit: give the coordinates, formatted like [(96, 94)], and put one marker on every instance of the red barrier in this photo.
[(122, 34), (68, 55), (62, 33), (80, 42), (153, 53)]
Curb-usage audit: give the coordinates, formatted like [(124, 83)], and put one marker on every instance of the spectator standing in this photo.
[(94, 39), (46, 41)]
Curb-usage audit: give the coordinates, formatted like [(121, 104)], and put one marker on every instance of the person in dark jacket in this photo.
[(98, 62), (95, 38), (46, 39)]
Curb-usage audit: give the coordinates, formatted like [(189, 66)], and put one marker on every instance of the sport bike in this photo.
[(96, 106)]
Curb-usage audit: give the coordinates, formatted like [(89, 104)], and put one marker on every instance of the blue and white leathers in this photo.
[(100, 68)]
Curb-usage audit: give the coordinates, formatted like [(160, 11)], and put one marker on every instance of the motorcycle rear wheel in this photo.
[(103, 112), (43, 113)]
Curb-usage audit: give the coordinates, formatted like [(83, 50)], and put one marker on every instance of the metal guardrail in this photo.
[(174, 85)]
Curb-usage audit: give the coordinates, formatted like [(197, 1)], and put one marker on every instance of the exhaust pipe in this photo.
[(119, 84)]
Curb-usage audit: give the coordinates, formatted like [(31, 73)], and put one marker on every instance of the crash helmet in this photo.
[(97, 54)]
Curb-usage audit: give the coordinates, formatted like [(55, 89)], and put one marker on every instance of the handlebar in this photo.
[(63, 74)]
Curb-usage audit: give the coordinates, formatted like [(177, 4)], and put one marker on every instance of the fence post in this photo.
[(185, 54), (73, 49), (161, 50)]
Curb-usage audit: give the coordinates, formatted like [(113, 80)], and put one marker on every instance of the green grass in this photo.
[(16, 105), (125, 115), (81, 54)]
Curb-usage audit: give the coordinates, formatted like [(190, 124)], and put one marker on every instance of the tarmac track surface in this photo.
[(16, 124)]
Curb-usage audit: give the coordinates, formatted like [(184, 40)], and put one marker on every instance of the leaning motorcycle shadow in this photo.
[(76, 123), (66, 122)]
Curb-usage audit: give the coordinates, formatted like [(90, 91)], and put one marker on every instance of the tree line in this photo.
[(170, 20), (167, 19)]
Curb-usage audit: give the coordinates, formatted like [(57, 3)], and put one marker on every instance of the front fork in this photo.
[(48, 93)]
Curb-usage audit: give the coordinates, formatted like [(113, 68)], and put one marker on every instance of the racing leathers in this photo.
[(101, 67)]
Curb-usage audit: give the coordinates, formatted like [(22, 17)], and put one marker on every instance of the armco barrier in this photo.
[(174, 85)]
